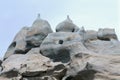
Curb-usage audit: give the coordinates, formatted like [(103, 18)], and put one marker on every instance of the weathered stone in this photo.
[(19, 44), (29, 37), (39, 30), (33, 64), (61, 46), (90, 35), (0, 62), (57, 73), (68, 54), (0, 66), (104, 47), (84, 66), (21, 35), (66, 26), (107, 34)]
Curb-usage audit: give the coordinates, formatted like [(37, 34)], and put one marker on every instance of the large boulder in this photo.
[(107, 34), (104, 47), (19, 44), (85, 66), (61, 46), (90, 35), (32, 65), (39, 30), (29, 37), (68, 54), (67, 26), (87, 35)]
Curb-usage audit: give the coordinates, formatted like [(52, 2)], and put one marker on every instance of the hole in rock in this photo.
[(60, 41), (62, 55), (73, 30), (56, 30), (29, 45), (12, 45)]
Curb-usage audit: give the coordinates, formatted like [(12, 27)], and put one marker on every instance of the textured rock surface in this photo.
[(30, 65), (36, 34), (19, 44), (106, 34), (67, 26), (61, 46), (69, 53), (29, 37)]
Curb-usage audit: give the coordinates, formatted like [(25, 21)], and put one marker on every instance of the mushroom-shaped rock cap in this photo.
[(40, 22), (67, 26), (39, 30), (40, 26)]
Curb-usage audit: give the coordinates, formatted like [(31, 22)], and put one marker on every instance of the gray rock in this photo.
[(19, 44), (107, 34), (68, 54), (21, 35), (104, 47), (32, 64), (84, 66), (91, 35), (29, 37), (36, 34), (66, 26), (87, 35), (61, 46)]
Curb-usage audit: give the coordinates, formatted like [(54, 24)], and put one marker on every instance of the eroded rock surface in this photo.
[(67, 26), (61, 46), (70, 53), (29, 37)]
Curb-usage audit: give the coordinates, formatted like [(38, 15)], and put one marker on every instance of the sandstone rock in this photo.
[(68, 54), (66, 26), (61, 46), (29, 37), (19, 44), (107, 34), (104, 47), (39, 30), (21, 35), (0, 62), (84, 66), (91, 35), (32, 64)]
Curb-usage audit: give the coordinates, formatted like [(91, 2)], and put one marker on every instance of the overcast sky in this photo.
[(92, 14)]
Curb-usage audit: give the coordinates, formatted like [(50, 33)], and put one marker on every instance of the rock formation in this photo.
[(67, 26), (70, 53)]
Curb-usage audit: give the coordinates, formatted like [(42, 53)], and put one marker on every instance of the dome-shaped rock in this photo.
[(67, 26), (39, 30)]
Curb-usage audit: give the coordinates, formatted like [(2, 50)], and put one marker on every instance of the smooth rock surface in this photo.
[(61, 46), (67, 26), (39, 30)]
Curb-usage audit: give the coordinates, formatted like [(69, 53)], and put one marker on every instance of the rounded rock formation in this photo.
[(67, 26), (39, 30)]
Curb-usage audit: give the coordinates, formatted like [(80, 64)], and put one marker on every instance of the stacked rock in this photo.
[(70, 53)]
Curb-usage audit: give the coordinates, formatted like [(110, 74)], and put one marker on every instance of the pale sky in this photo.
[(92, 14)]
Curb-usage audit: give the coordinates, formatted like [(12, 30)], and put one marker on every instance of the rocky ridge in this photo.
[(70, 53)]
